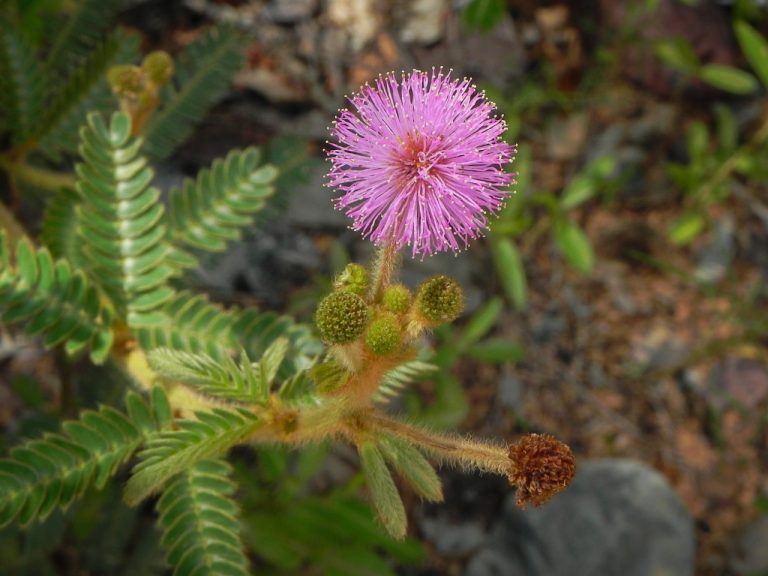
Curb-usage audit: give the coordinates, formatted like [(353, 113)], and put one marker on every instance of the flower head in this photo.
[(420, 161), (540, 466)]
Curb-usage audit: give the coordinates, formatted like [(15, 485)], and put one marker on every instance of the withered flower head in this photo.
[(540, 467)]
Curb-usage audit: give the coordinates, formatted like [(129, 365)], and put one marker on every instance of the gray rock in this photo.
[(290, 11), (750, 555), (450, 538), (618, 518)]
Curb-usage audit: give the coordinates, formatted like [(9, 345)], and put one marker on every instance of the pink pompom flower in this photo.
[(420, 161)]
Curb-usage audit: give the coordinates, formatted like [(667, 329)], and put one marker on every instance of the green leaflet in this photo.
[(413, 467), (211, 210), (51, 472), (21, 87), (225, 378), (121, 220), (200, 522), (168, 453), (204, 72), (384, 494), (398, 378), (53, 301)]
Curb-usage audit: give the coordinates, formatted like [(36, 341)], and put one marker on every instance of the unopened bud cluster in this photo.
[(385, 325), (138, 87)]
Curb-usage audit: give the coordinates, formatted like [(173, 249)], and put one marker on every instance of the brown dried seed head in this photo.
[(540, 467)]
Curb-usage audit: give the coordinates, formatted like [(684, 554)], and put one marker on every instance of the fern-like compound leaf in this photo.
[(121, 220), (398, 378), (21, 88), (225, 378), (191, 323), (53, 301), (51, 472), (211, 210), (203, 74), (84, 90), (201, 524), (170, 452), (83, 30)]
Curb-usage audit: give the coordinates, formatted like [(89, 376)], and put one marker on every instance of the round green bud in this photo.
[(439, 300), (341, 317), (383, 334), (158, 67), (353, 278), (126, 79), (396, 298)]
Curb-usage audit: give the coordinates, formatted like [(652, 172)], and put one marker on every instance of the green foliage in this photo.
[(678, 54), (755, 49), (83, 30), (168, 453), (413, 467), (394, 381), (204, 72), (293, 530), (84, 90), (21, 84), (120, 221), (509, 267), (527, 207), (210, 211), (384, 494), (51, 472), (200, 522), (59, 227), (484, 14), (243, 382), (53, 300)]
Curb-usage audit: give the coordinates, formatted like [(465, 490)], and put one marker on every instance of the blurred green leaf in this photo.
[(697, 141), (497, 351), (727, 131), (728, 78), (509, 266), (574, 245), (580, 189), (686, 228), (481, 322), (484, 14), (678, 54), (755, 49)]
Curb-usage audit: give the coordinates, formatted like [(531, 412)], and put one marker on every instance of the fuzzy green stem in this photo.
[(383, 269), (467, 453)]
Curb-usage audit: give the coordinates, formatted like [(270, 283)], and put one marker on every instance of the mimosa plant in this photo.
[(419, 162)]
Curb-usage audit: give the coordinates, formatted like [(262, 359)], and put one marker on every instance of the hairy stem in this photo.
[(383, 269), (464, 452)]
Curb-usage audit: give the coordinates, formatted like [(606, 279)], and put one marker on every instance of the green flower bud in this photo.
[(158, 67), (396, 298), (383, 334), (439, 300), (341, 317), (126, 79), (353, 278)]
